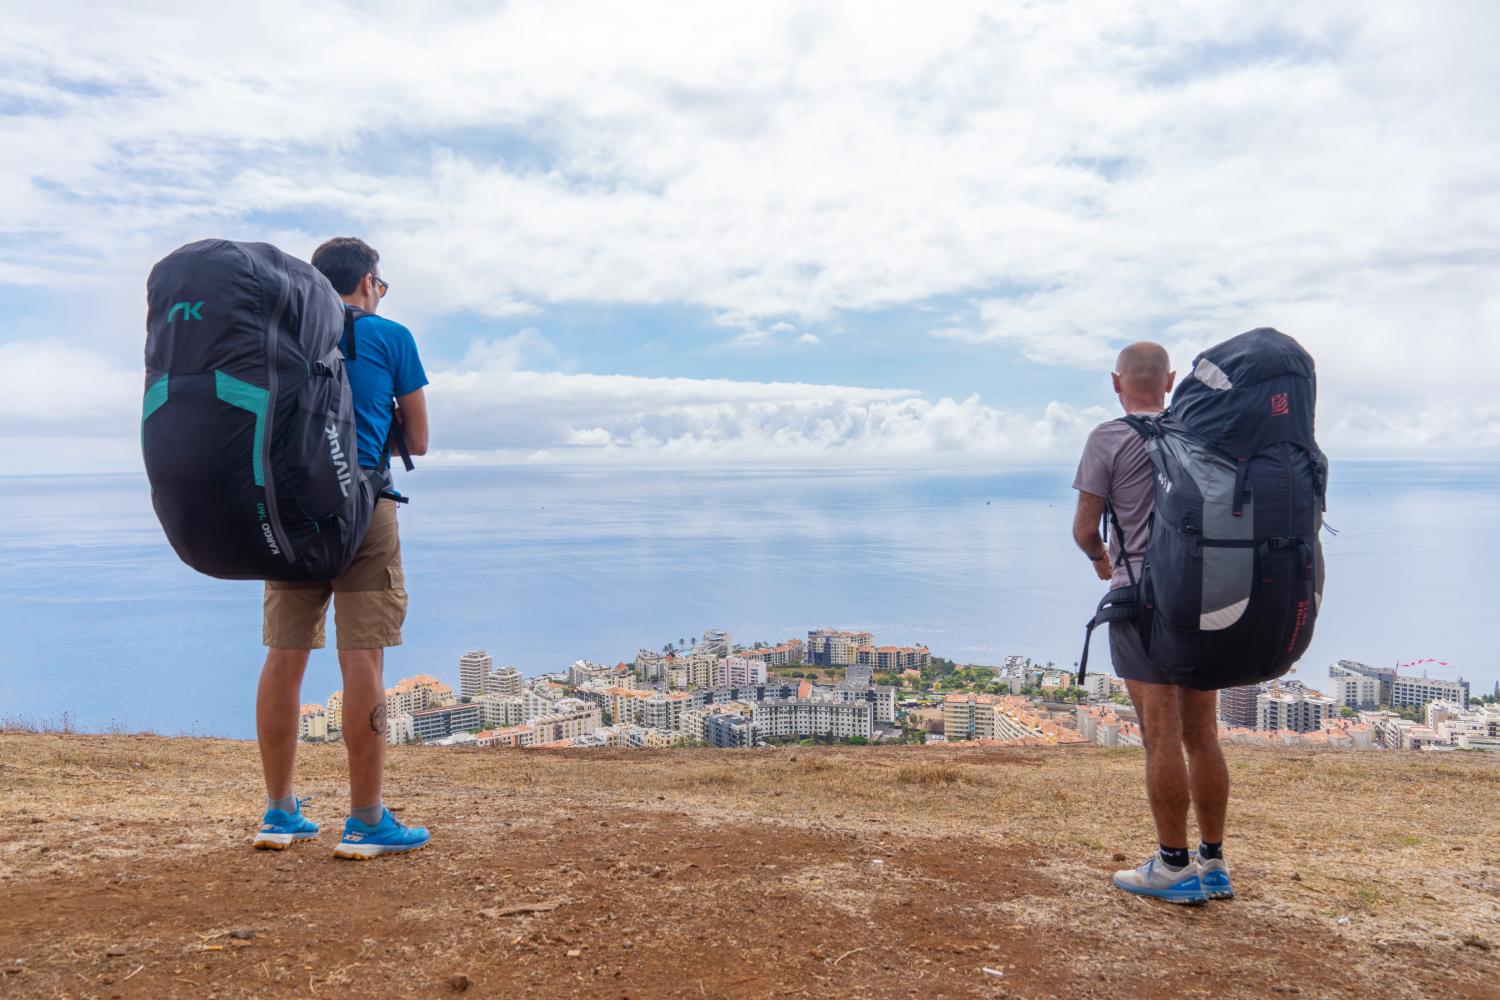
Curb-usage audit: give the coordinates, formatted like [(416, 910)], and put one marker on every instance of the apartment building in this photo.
[(500, 710), (506, 682), (651, 665), (715, 643), (665, 711), (856, 686), (802, 717), (784, 655), (541, 696), (1476, 728), (728, 731), (1099, 686), (1414, 692), (445, 720), (968, 716), (1238, 705), (473, 667), (571, 718), (415, 694), (1293, 706), (313, 724), (513, 737), (691, 670), (335, 712), (738, 670), (893, 659), (399, 729), (829, 647), (1359, 685), (583, 671), (749, 692)]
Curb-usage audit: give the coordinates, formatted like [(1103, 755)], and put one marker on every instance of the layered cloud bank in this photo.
[(489, 410)]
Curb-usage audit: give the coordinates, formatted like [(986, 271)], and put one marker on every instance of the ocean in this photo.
[(545, 566)]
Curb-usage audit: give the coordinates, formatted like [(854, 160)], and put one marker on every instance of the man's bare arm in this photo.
[(1086, 532), (411, 410)]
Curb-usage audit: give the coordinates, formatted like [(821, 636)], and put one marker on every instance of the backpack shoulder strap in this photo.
[(351, 313), (1146, 427)]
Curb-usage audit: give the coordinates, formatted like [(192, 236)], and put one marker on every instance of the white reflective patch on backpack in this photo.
[(1224, 617), (1211, 375)]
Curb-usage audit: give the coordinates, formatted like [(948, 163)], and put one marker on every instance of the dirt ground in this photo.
[(125, 871)]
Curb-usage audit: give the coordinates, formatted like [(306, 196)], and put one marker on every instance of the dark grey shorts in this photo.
[(1129, 656)]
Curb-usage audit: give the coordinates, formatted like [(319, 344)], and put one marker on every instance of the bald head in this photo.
[(1143, 376)]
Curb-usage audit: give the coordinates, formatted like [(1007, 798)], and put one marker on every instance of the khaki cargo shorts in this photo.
[(369, 599)]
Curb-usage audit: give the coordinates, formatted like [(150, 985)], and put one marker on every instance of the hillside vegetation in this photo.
[(879, 872)]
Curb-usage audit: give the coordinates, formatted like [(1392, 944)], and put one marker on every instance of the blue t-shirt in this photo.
[(385, 366)]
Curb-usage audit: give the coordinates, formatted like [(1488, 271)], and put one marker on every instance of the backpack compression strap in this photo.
[(1119, 605)]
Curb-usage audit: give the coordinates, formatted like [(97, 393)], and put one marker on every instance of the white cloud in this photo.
[(1088, 173), (52, 385), (76, 409)]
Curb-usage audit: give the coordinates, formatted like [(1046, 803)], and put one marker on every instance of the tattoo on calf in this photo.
[(377, 718)]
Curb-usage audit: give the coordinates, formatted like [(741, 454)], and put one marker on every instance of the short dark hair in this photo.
[(344, 261)]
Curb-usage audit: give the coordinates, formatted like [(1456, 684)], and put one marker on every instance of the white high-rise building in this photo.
[(313, 723), (715, 643), (505, 682), (1291, 706), (400, 729), (583, 671), (1414, 692), (473, 667)]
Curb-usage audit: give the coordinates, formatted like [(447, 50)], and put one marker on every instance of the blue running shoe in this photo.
[(279, 829), (1156, 880), (386, 837), (1214, 874)]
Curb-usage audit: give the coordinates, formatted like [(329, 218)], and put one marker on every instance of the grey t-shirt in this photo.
[(1115, 466)]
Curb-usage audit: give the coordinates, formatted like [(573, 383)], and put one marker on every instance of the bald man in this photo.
[(1115, 469)]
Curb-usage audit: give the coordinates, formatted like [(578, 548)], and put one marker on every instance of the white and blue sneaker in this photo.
[(1214, 874), (1157, 880), (362, 842), (280, 829)]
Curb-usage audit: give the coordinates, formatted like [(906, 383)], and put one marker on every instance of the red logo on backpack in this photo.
[(1280, 405)]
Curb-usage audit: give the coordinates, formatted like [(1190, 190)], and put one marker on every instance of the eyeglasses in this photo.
[(382, 285)]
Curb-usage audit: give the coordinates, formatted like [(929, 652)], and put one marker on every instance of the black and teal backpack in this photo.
[(248, 423), (1229, 587)]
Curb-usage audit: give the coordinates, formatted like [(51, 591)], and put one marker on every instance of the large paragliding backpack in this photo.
[(1228, 589), (247, 426)]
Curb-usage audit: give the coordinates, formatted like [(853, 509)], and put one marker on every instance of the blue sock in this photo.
[(368, 815), (287, 805), (1174, 857)]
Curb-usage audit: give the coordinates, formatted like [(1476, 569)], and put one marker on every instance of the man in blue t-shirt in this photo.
[(369, 599)]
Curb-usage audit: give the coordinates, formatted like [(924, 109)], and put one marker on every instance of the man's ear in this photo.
[(1114, 380), (1171, 378)]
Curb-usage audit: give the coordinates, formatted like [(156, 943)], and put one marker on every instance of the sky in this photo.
[(790, 233)]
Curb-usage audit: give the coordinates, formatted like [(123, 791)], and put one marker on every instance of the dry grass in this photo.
[(1343, 861), (932, 774)]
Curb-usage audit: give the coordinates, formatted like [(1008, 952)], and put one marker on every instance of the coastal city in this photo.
[(840, 687)]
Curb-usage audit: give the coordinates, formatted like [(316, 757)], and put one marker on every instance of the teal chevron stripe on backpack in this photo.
[(239, 393), (156, 394)]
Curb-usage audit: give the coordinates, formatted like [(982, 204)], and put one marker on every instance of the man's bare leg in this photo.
[(364, 726), (278, 708), (1208, 775), (1166, 773)]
